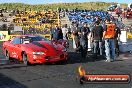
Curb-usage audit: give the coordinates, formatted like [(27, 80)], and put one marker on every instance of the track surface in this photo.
[(16, 75)]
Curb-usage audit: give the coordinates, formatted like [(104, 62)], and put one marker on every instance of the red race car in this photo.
[(34, 49)]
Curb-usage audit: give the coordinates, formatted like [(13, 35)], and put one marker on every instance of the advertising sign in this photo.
[(3, 35)]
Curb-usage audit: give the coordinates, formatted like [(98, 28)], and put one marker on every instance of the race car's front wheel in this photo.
[(25, 58)]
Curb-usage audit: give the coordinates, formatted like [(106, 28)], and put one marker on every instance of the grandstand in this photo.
[(37, 19)]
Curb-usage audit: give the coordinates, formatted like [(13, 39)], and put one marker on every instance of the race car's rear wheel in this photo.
[(25, 58)]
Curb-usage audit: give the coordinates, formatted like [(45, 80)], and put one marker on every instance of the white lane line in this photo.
[(125, 58), (3, 59)]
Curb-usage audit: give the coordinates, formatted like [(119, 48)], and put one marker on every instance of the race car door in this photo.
[(16, 47)]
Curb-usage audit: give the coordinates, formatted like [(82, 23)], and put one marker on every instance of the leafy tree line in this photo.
[(86, 5)]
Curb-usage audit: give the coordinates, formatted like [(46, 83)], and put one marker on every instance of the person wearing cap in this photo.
[(109, 37), (96, 36)]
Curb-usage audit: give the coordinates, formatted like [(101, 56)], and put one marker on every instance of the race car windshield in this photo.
[(38, 38)]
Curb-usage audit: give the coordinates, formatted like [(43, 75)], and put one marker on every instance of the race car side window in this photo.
[(16, 41)]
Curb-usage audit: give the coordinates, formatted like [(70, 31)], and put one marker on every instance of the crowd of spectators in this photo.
[(96, 27)]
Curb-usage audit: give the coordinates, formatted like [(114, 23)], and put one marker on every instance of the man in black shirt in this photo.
[(97, 34), (117, 36), (84, 39), (54, 33)]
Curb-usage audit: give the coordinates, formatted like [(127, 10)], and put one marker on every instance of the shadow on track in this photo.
[(6, 82), (76, 58)]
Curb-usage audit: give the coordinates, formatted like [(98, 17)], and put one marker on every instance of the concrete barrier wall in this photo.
[(5, 37)]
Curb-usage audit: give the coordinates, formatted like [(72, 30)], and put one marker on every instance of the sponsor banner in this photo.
[(3, 35), (129, 35), (12, 36), (48, 36)]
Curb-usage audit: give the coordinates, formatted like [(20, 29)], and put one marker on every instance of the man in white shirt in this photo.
[(65, 31)]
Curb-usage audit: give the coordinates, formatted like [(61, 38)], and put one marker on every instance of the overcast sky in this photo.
[(59, 1)]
